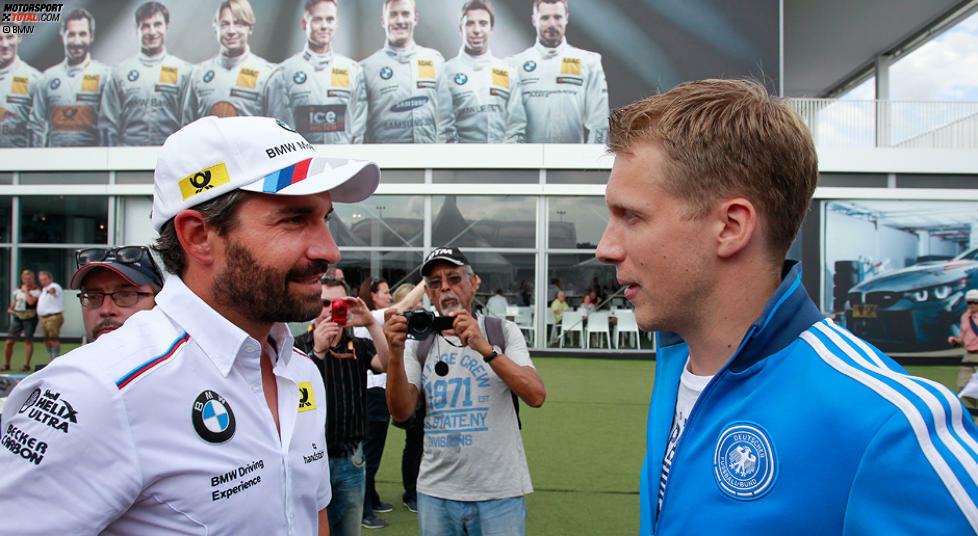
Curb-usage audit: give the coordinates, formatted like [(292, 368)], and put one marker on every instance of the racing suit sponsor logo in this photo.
[(328, 118), (530, 66), (208, 76), (240, 474), (90, 83), (19, 85), (426, 69), (14, 99), (570, 66), (299, 77), (744, 462), (22, 444), (133, 75), (422, 84), (166, 88), (72, 118), (570, 80), (245, 94), (192, 185), (339, 77), (56, 83), (211, 415), (50, 409), (338, 93), (223, 109), (169, 75), (386, 72), (4, 114), (247, 78), (482, 108), (407, 105), (461, 79), (306, 399), (317, 454), (496, 92), (500, 78)]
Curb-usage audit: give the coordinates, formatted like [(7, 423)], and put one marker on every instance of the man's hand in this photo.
[(357, 314), (467, 329), (395, 331), (324, 336), (952, 340), (51, 290)]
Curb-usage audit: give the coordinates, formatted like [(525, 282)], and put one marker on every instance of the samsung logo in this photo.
[(409, 104)]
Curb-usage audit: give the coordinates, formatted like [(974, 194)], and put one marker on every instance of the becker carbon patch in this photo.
[(745, 464), (212, 417)]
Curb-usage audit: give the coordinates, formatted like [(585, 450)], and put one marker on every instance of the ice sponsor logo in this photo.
[(744, 462), (321, 118), (407, 105), (461, 79), (212, 417)]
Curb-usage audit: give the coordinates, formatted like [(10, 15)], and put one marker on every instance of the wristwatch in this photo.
[(492, 355)]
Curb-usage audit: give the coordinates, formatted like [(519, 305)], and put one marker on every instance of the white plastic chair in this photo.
[(552, 327), (597, 323), (570, 322), (512, 311), (498, 311), (524, 319), (626, 324)]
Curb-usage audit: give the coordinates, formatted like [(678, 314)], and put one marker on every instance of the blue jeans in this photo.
[(498, 517), (346, 477)]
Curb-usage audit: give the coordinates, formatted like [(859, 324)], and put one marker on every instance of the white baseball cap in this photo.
[(213, 156), (971, 295)]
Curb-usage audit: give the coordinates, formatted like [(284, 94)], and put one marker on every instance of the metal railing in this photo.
[(901, 124)]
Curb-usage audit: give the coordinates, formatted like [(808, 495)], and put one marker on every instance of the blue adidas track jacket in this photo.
[(809, 430)]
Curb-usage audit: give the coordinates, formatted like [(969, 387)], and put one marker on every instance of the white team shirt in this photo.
[(49, 303), (161, 427), (690, 387)]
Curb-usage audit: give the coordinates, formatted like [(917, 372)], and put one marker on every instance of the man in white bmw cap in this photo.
[(197, 417)]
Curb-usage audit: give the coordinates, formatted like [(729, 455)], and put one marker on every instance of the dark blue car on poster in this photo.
[(914, 308)]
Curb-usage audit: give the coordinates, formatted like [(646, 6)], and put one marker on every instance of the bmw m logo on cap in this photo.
[(386, 73), (530, 66), (285, 125), (212, 417), (461, 79), (299, 77)]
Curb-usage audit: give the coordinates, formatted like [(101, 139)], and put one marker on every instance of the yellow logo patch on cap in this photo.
[(426, 69), (306, 399), (19, 86), (500, 78), (168, 75), (570, 66), (90, 83), (340, 78), (247, 78), (204, 179)]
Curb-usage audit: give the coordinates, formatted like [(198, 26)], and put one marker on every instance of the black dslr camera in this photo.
[(421, 324)]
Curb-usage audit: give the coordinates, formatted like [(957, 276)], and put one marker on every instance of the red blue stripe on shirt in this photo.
[(286, 176), (134, 373)]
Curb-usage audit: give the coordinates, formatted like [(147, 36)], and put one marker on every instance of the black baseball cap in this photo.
[(140, 270), (450, 255)]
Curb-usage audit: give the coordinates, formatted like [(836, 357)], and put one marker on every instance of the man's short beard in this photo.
[(441, 301), (262, 293)]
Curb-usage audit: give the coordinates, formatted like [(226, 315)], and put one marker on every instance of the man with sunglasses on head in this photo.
[(115, 283), (198, 416), (474, 474), (343, 360)]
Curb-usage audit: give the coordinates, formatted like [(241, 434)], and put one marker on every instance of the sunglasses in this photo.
[(972, 302), (123, 254)]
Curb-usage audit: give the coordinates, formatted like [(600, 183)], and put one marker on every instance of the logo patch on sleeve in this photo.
[(247, 78), (212, 417), (339, 78), (204, 179), (500, 78), (307, 400), (745, 464), (426, 69), (168, 75), (570, 66), (90, 83)]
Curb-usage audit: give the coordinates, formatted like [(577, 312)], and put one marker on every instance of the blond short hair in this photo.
[(240, 10)]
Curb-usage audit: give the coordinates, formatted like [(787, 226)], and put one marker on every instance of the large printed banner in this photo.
[(363, 71)]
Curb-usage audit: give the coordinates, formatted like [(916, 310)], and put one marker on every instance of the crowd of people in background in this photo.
[(551, 92)]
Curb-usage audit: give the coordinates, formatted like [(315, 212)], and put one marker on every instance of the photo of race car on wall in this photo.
[(914, 308)]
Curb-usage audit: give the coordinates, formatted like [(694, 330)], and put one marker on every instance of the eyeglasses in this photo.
[(327, 303), (453, 280), (124, 254), (122, 298)]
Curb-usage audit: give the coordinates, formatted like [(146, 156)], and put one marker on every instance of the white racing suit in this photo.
[(142, 101), (17, 82), (323, 96), (565, 94), (408, 96), (229, 87), (65, 106), (486, 99)]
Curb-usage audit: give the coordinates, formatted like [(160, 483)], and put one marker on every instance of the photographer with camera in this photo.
[(343, 360), (474, 473)]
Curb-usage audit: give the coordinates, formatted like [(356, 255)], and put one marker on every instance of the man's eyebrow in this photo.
[(295, 210)]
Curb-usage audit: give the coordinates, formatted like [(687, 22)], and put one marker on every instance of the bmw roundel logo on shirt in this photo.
[(386, 73), (212, 417)]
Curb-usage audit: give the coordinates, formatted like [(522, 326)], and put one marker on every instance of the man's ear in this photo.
[(737, 224), (476, 281), (196, 236)]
